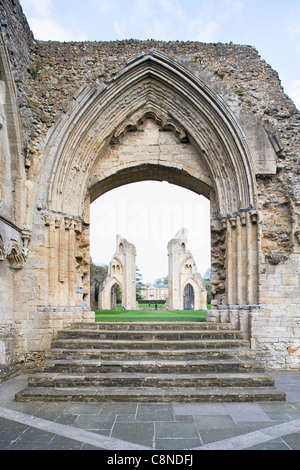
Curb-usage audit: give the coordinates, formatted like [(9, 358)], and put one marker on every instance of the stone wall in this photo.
[(237, 73), (182, 273), (44, 86), (15, 43), (121, 271)]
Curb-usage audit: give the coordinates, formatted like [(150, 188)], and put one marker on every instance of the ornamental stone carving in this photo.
[(13, 245), (109, 114)]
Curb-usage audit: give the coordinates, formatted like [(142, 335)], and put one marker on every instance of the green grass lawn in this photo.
[(149, 315)]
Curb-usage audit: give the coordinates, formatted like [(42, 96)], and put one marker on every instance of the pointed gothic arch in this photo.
[(86, 154), (188, 297), (121, 271), (149, 86), (237, 147)]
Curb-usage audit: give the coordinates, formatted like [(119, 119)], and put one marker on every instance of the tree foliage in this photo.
[(139, 285), (98, 270)]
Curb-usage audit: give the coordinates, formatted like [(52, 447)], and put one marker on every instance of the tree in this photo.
[(139, 285), (101, 270), (97, 270), (118, 292), (161, 280), (207, 283), (207, 274)]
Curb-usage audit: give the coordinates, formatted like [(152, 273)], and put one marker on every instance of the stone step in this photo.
[(171, 366), (150, 362), (147, 336), (85, 343), (144, 326), (150, 395), (149, 354), (64, 380)]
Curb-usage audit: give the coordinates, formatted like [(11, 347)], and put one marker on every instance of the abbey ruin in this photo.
[(186, 290), (186, 287), (121, 271), (80, 119)]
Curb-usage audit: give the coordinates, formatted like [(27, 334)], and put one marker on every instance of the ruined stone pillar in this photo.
[(183, 271), (50, 223), (252, 267), (69, 227), (121, 271), (231, 265)]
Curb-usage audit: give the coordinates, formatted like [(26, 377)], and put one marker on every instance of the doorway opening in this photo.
[(115, 297), (188, 297), (148, 214)]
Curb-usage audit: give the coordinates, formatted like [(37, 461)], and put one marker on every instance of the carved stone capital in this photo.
[(48, 218), (14, 246), (14, 251), (232, 220), (69, 223), (254, 217), (58, 220), (2, 249), (276, 257), (243, 219), (297, 235), (16, 254), (223, 222), (78, 226)]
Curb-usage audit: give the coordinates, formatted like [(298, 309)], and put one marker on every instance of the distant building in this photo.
[(155, 292)]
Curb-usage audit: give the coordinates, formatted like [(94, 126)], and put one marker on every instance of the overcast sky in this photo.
[(272, 26)]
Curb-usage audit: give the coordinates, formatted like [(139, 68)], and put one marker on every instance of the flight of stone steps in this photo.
[(150, 362)]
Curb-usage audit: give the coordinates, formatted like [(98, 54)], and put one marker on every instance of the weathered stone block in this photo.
[(217, 136)]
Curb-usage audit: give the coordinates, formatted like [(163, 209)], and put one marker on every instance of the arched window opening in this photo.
[(188, 297), (147, 215), (115, 297)]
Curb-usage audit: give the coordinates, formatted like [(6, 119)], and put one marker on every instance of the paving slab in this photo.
[(135, 432), (292, 440), (206, 423), (210, 409), (150, 426), (178, 444), (275, 444), (179, 430), (155, 412), (246, 412)]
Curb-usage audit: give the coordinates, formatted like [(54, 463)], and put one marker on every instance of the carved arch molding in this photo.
[(13, 244), (149, 86), (155, 87)]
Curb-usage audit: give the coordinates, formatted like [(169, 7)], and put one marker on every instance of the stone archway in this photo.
[(121, 271), (153, 121), (113, 296), (64, 131), (153, 87), (182, 273)]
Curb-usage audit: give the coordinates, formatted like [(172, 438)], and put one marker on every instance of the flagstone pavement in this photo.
[(151, 426)]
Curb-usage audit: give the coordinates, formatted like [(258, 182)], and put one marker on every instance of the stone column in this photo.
[(50, 222), (62, 252), (253, 272), (69, 227), (242, 259), (232, 261)]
